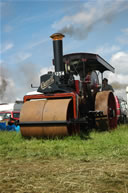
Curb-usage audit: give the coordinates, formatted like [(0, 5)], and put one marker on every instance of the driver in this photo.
[(106, 86)]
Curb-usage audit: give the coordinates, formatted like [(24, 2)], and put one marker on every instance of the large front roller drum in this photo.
[(105, 101), (46, 110)]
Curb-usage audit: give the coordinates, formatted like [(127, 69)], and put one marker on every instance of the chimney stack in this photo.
[(58, 52)]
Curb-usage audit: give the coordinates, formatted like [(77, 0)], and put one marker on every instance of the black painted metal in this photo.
[(44, 123), (58, 55), (91, 61), (48, 123)]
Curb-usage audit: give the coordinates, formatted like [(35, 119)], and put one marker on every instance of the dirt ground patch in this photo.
[(63, 176)]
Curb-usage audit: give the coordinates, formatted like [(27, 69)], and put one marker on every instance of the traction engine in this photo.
[(69, 100)]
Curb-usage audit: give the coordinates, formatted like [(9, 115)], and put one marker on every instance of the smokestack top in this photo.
[(57, 36)]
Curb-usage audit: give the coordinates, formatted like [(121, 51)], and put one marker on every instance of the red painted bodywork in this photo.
[(72, 95), (11, 116), (117, 108)]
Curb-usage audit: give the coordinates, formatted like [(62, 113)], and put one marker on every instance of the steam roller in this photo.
[(69, 100)]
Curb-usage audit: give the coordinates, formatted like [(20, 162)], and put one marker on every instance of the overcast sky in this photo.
[(96, 26)]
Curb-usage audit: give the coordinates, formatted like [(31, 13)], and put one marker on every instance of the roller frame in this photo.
[(96, 114), (72, 95)]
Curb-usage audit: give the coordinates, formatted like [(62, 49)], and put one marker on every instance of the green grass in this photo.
[(103, 145), (98, 164)]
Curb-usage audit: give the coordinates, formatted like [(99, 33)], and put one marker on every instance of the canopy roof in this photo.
[(90, 61)]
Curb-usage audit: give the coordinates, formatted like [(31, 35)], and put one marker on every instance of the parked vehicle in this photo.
[(9, 116), (122, 109), (2, 115)]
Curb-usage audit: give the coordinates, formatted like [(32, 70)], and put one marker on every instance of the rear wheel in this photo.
[(105, 101)]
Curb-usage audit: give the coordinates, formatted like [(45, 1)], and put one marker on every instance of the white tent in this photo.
[(11, 106)]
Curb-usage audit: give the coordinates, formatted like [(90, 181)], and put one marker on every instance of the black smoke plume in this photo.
[(89, 16)]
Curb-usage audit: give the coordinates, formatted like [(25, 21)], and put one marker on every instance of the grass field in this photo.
[(98, 164)]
